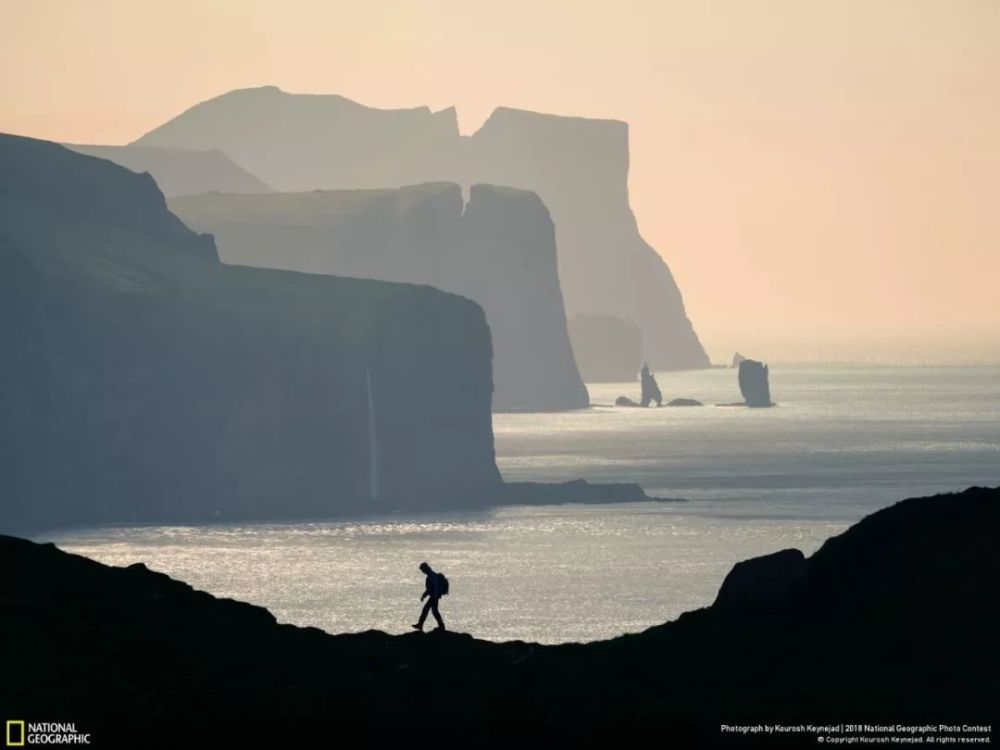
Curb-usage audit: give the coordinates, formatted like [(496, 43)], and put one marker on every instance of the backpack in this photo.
[(442, 585)]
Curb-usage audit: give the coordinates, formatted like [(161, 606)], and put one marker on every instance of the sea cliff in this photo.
[(144, 380), (577, 166), (498, 250)]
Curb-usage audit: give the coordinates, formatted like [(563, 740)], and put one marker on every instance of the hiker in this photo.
[(435, 587)]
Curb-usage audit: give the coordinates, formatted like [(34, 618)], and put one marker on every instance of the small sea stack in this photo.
[(650, 388), (754, 384), (650, 391)]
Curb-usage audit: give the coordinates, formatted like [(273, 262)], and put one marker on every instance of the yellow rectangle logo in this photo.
[(15, 733)]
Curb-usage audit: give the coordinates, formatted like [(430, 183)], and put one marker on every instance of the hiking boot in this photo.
[(418, 627)]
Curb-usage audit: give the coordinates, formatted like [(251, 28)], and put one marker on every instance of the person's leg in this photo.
[(433, 604), (423, 614)]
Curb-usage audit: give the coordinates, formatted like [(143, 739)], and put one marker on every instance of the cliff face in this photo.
[(303, 142), (180, 172), (145, 381), (607, 349), (578, 167), (891, 622), (498, 250)]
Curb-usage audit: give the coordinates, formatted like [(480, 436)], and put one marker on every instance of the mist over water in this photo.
[(843, 442)]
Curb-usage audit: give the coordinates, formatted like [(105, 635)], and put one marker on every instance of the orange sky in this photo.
[(823, 177)]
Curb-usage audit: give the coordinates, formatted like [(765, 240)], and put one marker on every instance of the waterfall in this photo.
[(372, 442)]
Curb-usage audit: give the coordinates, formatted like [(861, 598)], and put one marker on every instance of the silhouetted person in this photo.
[(434, 588)]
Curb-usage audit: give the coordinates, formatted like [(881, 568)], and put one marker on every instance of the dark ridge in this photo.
[(893, 621)]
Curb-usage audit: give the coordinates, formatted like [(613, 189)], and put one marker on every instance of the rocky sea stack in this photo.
[(754, 385), (650, 391)]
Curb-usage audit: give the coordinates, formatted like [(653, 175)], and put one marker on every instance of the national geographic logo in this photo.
[(21, 733), (15, 733)]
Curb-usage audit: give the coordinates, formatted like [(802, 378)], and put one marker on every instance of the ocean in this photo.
[(843, 441)]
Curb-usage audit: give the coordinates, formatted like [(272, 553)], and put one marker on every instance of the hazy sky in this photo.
[(822, 176)]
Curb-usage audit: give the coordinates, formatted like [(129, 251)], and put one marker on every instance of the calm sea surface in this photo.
[(844, 441)]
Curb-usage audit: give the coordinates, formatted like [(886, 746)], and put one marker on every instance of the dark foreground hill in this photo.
[(893, 621)]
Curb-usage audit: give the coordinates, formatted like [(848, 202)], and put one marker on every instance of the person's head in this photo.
[(425, 567)]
